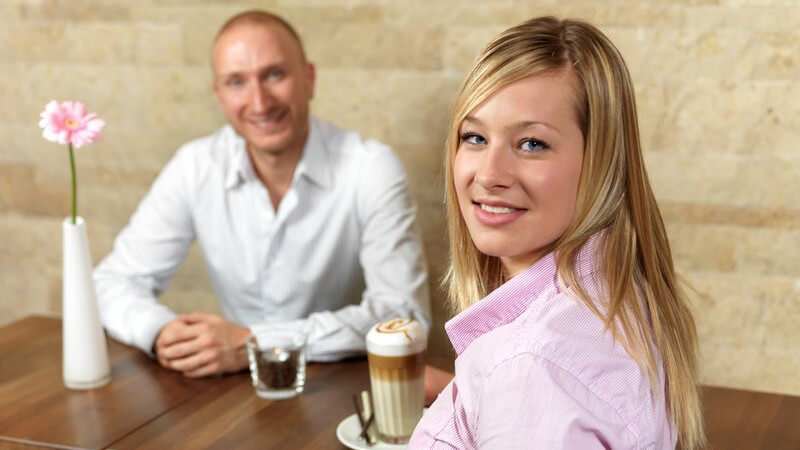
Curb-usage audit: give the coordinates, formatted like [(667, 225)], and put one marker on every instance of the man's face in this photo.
[(264, 85)]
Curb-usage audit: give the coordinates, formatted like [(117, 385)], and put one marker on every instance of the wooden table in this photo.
[(148, 407)]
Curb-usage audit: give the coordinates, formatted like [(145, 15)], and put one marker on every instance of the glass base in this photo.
[(277, 395)]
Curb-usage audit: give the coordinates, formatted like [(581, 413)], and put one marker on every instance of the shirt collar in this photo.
[(239, 169), (314, 164), (506, 303)]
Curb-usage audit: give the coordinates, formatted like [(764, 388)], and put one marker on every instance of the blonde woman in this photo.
[(572, 331)]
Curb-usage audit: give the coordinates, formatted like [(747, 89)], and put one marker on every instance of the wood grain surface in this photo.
[(148, 407)]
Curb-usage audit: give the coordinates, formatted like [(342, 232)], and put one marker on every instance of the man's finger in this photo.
[(178, 350), (195, 317), (175, 332), (203, 371), (193, 362)]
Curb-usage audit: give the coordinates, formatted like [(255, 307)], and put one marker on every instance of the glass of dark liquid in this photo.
[(277, 362)]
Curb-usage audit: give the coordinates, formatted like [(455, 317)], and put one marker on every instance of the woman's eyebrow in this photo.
[(529, 123)]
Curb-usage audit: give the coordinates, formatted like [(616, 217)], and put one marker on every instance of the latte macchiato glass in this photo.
[(395, 350)]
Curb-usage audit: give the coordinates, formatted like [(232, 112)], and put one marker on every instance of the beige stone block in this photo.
[(777, 54), (442, 13), (768, 251), (113, 200), (33, 42), (347, 98), (462, 44), (23, 145), (636, 14), (124, 150), (692, 179), (770, 17), (12, 13), (373, 46), (652, 105), (179, 98), (304, 16), (726, 180), (34, 191), (197, 41), (782, 318), (412, 121), (30, 259), (730, 308), (718, 247), (725, 117), (751, 368), (199, 22), (159, 44), (174, 13), (26, 292), (702, 247), (74, 10), (418, 109), (684, 53), (100, 43), (753, 217), (111, 91), (33, 242)]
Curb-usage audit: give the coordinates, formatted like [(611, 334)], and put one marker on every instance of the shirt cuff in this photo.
[(151, 327)]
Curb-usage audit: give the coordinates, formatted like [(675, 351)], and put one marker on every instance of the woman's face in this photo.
[(517, 168)]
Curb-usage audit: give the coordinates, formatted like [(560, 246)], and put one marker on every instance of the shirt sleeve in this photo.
[(145, 256), (392, 259), (529, 402)]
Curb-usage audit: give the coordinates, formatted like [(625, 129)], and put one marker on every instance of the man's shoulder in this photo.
[(349, 144), (216, 146), (202, 160)]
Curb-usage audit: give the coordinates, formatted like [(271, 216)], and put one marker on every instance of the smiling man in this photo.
[(301, 224)]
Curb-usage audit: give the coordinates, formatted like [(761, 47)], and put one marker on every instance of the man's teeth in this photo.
[(496, 209)]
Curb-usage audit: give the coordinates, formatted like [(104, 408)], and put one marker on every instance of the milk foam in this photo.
[(397, 337)]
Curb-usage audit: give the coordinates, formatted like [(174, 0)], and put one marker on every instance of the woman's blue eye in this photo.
[(534, 145), (474, 139)]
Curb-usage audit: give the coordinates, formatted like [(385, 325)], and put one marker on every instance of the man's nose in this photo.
[(496, 168), (261, 99)]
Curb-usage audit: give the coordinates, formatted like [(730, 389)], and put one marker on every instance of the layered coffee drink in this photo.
[(395, 350)]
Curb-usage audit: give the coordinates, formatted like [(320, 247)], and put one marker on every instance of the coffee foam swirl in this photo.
[(395, 326), (397, 337)]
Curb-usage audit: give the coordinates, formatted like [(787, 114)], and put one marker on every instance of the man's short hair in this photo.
[(263, 18)]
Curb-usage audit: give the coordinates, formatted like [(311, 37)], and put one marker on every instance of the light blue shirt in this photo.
[(341, 252)]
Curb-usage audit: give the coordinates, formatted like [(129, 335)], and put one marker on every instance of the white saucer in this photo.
[(348, 433)]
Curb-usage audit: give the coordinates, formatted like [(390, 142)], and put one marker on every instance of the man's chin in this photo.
[(273, 145)]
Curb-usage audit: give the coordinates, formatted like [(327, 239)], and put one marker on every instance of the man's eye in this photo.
[(534, 145), (234, 82), (275, 74), (474, 139)]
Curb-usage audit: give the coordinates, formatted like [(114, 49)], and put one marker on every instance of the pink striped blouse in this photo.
[(536, 369)]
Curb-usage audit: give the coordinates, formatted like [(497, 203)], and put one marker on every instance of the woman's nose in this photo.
[(496, 169)]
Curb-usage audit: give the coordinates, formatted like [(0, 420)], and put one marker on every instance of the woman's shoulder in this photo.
[(564, 333)]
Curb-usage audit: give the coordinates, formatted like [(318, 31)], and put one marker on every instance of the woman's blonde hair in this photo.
[(614, 195)]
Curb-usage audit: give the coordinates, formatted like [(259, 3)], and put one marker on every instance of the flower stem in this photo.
[(74, 184)]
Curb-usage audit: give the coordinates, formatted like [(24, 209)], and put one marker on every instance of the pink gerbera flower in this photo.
[(69, 123)]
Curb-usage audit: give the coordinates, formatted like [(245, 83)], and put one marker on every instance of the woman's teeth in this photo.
[(497, 209)]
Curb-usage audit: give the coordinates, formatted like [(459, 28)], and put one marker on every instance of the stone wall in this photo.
[(718, 85)]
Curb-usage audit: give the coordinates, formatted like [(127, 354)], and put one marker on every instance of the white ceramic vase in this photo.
[(85, 356)]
